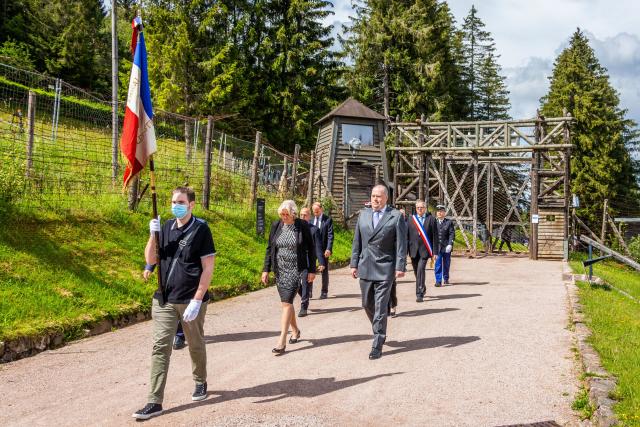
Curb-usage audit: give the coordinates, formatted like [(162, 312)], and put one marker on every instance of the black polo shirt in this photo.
[(195, 236)]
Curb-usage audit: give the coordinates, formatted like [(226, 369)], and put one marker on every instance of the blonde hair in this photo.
[(289, 206)]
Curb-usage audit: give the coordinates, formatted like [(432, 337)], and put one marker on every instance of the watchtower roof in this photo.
[(352, 108)]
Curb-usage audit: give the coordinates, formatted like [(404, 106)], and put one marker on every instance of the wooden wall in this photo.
[(551, 234)]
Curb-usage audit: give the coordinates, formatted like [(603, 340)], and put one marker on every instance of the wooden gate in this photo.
[(496, 179)]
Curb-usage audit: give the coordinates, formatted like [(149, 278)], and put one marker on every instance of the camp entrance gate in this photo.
[(500, 180)]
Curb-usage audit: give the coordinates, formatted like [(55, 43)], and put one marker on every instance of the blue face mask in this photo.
[(179, 211)]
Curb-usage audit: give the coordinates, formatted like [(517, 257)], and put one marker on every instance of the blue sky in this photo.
[(530, 34)]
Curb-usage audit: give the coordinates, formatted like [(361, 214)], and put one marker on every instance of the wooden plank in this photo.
[(611, 252)]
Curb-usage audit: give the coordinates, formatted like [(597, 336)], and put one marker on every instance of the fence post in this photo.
[(282, 185), (114, 93), (31, 124), (603, 231), (254, 169), (132, 200), (187, 140), (309, 200), (475, 202), (294, 170), (206, 185)]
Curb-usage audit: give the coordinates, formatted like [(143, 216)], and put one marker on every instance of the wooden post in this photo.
[(187, 140), (427, 165), (282, 185), (294, 170), (206, 185), (114, 92), (421, 163), (31, 125), (309, 200), (604, 220), (345, 189), (475, 203), (319, 179), (535, 186), (489, 218), (396, 166), (254, 169)]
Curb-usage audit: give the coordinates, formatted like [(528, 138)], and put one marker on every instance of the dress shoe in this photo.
[(392, 312), (179, 342), (279, 350), (446, 282), (438, 284), (375, 354), (293, 340), (419, 299), (323, 295), (302, 312)]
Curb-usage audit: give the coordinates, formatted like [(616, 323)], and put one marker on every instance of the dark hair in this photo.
[(191, 195)]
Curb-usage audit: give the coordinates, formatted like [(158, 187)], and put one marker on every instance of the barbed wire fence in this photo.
[(57, 152)]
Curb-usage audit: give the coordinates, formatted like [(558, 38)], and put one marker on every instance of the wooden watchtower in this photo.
[(350, 157)]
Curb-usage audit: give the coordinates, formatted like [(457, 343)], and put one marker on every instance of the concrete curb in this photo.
[(599, 382), (22, 347)]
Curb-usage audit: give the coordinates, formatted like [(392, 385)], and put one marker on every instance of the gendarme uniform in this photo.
[(446, 235), (181, 252)]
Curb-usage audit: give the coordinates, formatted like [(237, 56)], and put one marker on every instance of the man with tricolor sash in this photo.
[(422, 237)]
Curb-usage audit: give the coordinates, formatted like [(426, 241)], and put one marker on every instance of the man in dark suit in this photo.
[(422, 234), (378, 256), (306, 290), (446, 234), (325, 225)]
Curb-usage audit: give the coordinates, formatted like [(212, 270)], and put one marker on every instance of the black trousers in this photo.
[(419, 266), (393, 298), (304, 290), (375, 301), (325, 276)]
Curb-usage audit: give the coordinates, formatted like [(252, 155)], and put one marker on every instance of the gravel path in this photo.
[(492, 349)]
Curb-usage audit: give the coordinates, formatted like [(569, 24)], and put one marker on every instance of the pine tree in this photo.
[(486, 88), (492, 93), (601, 166), (404, 58)]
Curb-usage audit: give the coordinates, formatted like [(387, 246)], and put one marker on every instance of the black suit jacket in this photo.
[(326, 232), (305, 248), (446, 234), (317, 243), (416, 245)]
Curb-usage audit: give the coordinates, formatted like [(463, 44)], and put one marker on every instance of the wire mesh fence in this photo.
[(57, 151)]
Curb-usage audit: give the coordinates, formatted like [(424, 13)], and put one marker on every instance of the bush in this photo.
[(634, 248)]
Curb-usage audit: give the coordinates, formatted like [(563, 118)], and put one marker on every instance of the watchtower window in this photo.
[(362, 132)]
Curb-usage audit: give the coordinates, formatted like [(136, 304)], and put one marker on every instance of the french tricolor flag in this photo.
[(138, 134)]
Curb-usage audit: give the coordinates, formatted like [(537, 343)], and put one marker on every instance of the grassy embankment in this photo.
[(71, 253), (60, 273), (614, 320)]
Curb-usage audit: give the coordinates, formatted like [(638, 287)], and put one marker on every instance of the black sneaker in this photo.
[(323, 295), (179, 342), (200, 392), (150, 410)]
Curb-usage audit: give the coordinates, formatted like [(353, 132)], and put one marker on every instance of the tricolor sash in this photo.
[(422, 233)]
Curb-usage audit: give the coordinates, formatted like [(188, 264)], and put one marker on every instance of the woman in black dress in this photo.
[(290, 255)]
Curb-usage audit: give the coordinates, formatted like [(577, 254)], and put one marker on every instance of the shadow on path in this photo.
[(332, 310), (426, 343), (240, 336), (423, 312), (358, 296), (452, 296), (321, 342), (468, 284), (284, 389)]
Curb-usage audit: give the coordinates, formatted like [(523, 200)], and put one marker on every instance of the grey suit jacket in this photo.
[(378, 253)]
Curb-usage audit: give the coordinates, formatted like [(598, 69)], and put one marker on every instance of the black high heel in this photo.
[(279, 350), (293, 340)]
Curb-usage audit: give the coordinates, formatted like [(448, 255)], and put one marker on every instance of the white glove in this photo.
[(448, 248), (154, 225), (192, 310)]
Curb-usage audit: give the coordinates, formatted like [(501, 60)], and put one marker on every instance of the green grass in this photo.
[(582, 404), (63, 272), (615, 323)]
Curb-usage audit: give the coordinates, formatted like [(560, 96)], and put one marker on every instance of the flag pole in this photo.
[(154, 204)]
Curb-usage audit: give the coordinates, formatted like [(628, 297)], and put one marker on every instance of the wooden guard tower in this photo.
[(491, 176), (350, 157)]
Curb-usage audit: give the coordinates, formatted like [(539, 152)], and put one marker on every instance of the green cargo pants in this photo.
[(165, 322)]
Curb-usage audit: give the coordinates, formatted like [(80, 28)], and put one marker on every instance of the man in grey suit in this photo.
[(378, 256)]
